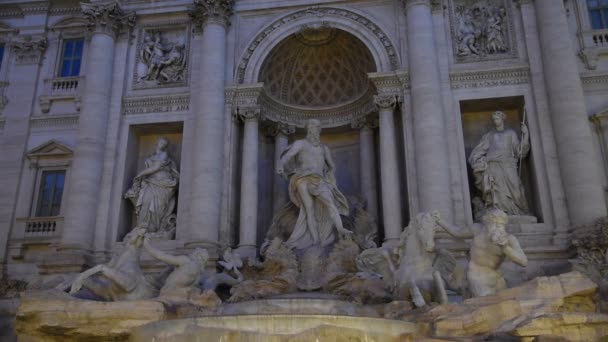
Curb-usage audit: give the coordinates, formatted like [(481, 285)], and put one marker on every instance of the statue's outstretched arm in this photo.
[(164, 257), (455, 231), (513, 250)]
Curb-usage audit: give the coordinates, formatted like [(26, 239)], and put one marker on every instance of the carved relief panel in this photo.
[(482, 30), (162, 57)]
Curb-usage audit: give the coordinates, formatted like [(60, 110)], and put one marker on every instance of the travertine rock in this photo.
[(570, 294), (55, 315)]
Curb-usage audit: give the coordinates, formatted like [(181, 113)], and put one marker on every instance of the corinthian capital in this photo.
[(107, 18), (369, 121), (249, 113), (28, 49), (205, 12), (385, 101), (275, 128)]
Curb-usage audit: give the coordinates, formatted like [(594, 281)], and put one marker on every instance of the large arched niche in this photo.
[(317, 67), (357, 24)]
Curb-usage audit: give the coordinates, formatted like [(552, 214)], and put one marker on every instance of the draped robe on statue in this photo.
[(317, 186), (494, 162)]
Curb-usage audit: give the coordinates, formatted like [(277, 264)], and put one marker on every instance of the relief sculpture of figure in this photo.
[(153, 192), (312, 188), (494, 162), (489, 247)]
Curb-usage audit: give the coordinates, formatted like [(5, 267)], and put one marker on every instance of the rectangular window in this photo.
[(598, 14), (51, 190), (1, 54), (71, 56)]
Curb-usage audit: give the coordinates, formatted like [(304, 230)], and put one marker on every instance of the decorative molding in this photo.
[(390, 83), (318, 12), (274, 129), (482, 31), (249, 113), (589, 57), (65, 11), (29, 49), (156, 104), (330, 117), (365, 122), (409, 3), (51, 148), (384, 102), (107, 18), (593, 81), (35, 8), (205, 12), (489, 78), (54, 121), (11, 12)]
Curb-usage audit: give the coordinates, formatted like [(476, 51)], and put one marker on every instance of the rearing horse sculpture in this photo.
[(416, 278)]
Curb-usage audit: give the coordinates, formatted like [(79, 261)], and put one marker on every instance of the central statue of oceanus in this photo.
[(312, 188)]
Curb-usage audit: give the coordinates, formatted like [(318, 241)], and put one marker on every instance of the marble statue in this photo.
[(494, 162), (491, 244), (183, 281), (231, 275), (312, 187), (416, 277), (153, 192), (121, 278), (162, 61)]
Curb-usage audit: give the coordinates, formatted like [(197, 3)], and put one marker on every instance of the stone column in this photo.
[(579, 166), (249, 181), (280, 131), (213, 16), (432, 165), (107, 20), (367, 163), (389, 171)]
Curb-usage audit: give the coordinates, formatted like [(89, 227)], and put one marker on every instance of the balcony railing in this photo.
[(41, 227), (60, 88), (596, 39)]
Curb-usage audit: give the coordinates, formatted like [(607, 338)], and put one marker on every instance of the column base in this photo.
[(391, 243), (67, 258), (213, 248), (246, 251)]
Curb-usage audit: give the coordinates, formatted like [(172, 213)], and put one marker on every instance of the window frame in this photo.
[(39, 183), (60, 57), (603, 18)]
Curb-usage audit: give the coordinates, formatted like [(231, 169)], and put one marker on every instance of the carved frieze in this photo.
[(29, 49), (489, 78), (204, 12), (156, 104), (162, 54), (482, 30), (107, 18)]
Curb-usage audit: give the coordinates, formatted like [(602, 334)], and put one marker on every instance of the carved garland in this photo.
[(318, 12)]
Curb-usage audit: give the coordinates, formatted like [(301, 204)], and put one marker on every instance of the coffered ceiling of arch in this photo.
[(318, 67)]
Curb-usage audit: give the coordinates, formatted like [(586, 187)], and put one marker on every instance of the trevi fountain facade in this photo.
[(295, 170)]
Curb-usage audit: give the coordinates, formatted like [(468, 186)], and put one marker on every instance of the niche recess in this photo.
[(141, 144), (476, 121)]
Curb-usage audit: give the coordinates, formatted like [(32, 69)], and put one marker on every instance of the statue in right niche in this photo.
[(494, 161)]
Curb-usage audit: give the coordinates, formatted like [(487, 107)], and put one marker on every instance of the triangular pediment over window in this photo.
[(52, 148)]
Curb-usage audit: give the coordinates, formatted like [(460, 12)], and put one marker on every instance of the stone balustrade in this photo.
[(61, 88), (40, 227)]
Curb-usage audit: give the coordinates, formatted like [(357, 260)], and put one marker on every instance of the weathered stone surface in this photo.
[(570, 294), (275, 328), (55, 315)]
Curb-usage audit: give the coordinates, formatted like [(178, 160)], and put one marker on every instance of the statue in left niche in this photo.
[(121, 278), (161, 61), (154, 193)]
